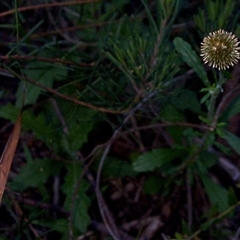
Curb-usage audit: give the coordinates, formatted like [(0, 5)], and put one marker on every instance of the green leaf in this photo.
[(191, 58), (172, 114), (78, 130), (9, 112), (178, 236), (176, 133), (38, 124), (34, 174), (35, 123), (151, 185), (40, 72), (81, 202), (232, 198), (232, 109), (40, 127), (207, 159), (217, 195), (232, 140), (114, 167), (156, 158), (27, 153), (59, 225), (79, 122), (187, 99)]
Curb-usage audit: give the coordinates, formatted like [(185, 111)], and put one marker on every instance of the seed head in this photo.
[(220, 50)]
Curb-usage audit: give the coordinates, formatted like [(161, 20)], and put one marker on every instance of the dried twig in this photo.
[(63, 96), (43, 59), (105, 213), (26, 220), (47, 5)]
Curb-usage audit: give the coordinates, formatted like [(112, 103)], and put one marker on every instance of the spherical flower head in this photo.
[(220, 50)]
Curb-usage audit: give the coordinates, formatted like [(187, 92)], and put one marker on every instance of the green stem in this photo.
[(215, 94), (211, 114), (210, 222)]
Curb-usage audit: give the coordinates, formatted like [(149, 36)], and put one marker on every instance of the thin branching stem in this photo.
[(105, 213), (65, 97), (219, 217), (153, 60), (215, 93)]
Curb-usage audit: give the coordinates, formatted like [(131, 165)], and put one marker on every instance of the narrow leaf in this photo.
[(232, 109), (8, 154), (191, 58), (217, 194), (232, 140)]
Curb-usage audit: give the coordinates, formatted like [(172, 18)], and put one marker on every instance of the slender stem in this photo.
[(220, 216), (215, 94), (210, 116), (104, 211), (46, 5), (16, 20), (189, 198)]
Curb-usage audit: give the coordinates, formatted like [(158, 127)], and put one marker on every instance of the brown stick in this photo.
[(44, 59), (46, 5)]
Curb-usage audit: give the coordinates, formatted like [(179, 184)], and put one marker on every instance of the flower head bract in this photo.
[(220, 50)]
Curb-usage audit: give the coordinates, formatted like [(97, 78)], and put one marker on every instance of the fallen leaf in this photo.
[(8, 154)]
